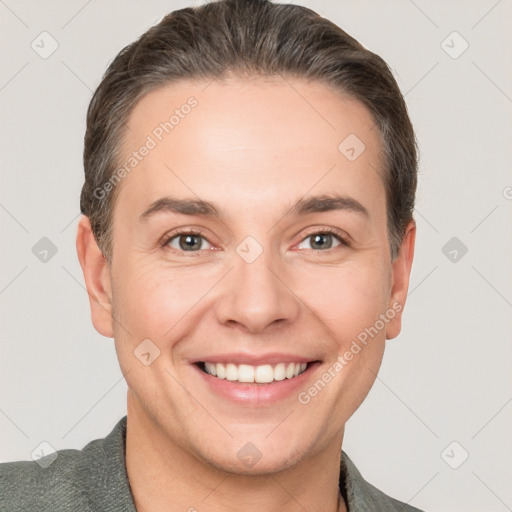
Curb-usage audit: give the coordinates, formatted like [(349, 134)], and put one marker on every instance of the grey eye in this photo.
[(187, 242), (321, 241)]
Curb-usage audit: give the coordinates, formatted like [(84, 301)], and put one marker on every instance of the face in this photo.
[(249, 244)]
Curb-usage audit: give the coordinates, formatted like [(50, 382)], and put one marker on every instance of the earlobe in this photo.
[(401, 271), (97, 278)]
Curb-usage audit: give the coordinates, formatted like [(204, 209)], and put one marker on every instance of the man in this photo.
[(246, 239)]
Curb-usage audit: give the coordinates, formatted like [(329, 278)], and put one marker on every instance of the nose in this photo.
[(256, 296)]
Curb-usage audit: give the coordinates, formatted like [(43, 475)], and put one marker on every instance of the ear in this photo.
[(97, 278), (401, 271)]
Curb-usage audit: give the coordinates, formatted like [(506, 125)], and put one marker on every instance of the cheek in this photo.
[(347, 299), (151, 299)]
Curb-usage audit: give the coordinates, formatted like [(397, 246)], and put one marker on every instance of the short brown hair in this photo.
[(244, 37)]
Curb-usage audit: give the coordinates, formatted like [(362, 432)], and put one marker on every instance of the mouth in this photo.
[(255, 380), (261, 374)]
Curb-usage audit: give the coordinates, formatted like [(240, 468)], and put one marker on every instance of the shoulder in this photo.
[(50, 482), (363, 496), (68, 479)]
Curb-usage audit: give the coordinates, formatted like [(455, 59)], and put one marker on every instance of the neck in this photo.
[(165, 476)]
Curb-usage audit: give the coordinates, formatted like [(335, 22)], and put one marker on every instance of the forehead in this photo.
[(244, 138)]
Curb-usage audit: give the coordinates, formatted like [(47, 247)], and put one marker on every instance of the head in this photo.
[(250, 174)]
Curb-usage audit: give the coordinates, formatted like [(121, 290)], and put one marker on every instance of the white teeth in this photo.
[(290, 369), (211, 368), (260, 374), (264, 373), (280, 371), (245, 373), (221, 371), (231, 372)]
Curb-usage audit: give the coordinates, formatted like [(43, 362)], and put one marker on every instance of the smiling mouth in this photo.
[(245, 373)]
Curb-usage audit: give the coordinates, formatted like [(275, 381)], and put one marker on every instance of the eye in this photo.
[(323, 240), (186, 241)]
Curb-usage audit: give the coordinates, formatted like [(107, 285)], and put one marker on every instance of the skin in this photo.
[(253, 148)]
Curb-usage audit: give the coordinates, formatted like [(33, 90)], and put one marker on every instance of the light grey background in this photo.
[(446, 378)]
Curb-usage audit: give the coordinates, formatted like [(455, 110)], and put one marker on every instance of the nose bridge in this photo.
[(254, 293)]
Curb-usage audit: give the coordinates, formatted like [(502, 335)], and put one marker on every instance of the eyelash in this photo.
[(327, 231)]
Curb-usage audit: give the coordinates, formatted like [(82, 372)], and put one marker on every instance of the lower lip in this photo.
[(257, 394)]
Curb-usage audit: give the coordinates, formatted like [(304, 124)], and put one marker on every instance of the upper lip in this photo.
[(255, 359)]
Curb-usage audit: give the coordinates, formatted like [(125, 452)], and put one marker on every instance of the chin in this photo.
[(254, 456), (260, 465)]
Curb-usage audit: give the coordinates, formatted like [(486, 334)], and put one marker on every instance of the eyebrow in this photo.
[(198, 207)]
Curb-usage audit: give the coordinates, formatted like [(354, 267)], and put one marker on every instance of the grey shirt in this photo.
[(94, 479)]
